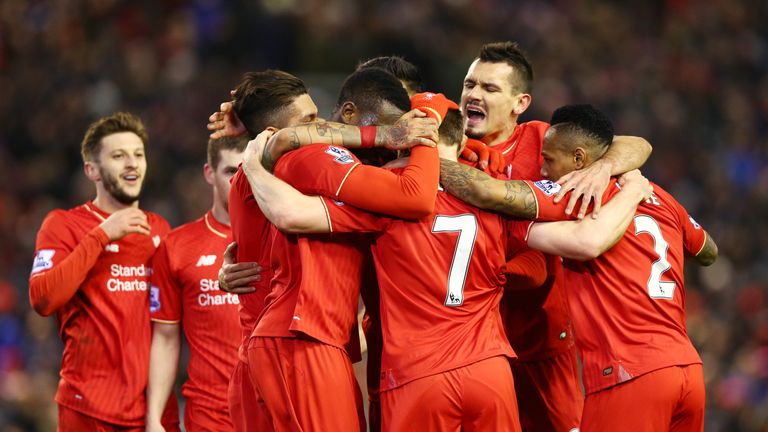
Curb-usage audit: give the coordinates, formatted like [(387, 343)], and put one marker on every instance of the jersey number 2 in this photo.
[(466, 226), (656, 287)]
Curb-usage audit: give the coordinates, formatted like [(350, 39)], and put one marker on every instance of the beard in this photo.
[(112, 185)]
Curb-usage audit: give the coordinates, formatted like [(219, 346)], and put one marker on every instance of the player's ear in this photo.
[(579, 158), (91, 170), (272, 129), (208, 173), (522, 102), (349, 114)]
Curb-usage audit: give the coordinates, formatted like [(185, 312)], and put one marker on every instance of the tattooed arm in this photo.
[(409, 131), (512, 197)]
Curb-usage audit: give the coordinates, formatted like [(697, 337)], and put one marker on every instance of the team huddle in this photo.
[(513, 276)]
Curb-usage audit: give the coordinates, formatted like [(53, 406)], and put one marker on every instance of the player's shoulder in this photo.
[(322, 153), (191, 229), (535, 128), (155, 220), (63, 217)]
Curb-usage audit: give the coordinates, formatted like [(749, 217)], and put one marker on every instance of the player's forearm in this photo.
[(409, 195), (477, 188), (626, 153), (321, 132), (708, 253), (287, 208), (163, 366), (589, 238), (52, 289)]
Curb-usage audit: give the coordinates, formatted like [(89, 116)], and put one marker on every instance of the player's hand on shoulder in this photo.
[(124, 222), (252, 157), (635, 179), (235, 277), (224, 123), (587, 184)]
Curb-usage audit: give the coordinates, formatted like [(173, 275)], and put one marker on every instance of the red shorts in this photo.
[(246, 410), (75, 421), (306, 385), (549, 393), (205, 419), (476, 397), (669, 399)]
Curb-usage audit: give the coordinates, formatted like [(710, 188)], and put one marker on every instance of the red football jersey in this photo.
[(253, 234), (317, 278), (537, 321), (185, 288), (105, 327), (441, 282), (628, 305)]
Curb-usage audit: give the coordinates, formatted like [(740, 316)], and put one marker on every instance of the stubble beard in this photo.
[(112, 185)]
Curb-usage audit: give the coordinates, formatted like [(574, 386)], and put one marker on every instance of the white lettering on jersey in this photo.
[(653, 200), (548, 187), (112, 247), (43, 260), (205, 299), (154, 299), (206, 260), (340, 155), (156, 240)]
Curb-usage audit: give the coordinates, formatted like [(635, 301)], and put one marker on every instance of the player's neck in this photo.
[(220, 213), (500, 136), (447, 152), (107, 203)]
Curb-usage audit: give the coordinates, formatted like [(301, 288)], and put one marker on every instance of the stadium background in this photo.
[(690, 76)]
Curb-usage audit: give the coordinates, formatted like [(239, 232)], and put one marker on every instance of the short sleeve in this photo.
[(694, 236), (317, 169), (344, 218), (165, 292), (517, 234)]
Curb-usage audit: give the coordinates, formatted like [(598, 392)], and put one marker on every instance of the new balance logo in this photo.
[(206, 260), (112, 248)]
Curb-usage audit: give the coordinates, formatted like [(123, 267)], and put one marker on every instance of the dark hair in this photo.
[(261, 97), (586, 120), (511, 54), (112, 124), (216, 145), (452, 128), (401, 68), (370, 87)]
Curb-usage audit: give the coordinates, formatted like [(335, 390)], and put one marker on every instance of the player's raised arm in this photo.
[(412, 129), (283, 205), (589, 238), (512, 197), (624, 154)]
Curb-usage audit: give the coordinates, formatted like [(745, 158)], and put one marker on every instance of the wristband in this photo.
[(367, 136)]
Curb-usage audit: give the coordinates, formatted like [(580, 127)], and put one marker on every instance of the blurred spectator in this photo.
[(690, 76)]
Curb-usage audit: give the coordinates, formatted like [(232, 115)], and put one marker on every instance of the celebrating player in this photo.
[(496, 92), (185, 289), (91, 268), (627, 303)]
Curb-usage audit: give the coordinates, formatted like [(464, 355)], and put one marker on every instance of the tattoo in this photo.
[(708, 253), (267, 161), (511, 197), (322, 128), (393, 137)]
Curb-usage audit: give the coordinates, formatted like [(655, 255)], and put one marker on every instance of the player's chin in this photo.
[(474, 132)]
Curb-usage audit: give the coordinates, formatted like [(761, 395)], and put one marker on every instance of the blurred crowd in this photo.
[(690, 76)]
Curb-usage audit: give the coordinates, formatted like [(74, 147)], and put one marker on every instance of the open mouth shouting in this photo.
[(475, 115)]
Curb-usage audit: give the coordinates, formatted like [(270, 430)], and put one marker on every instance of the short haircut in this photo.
[(401, 68), (584, 120), (452, 128), (112, 124), (216, 145), (370, 87), (511, 54), (263, 97)]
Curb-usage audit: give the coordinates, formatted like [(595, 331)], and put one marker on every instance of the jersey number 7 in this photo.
[(466, 226)]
